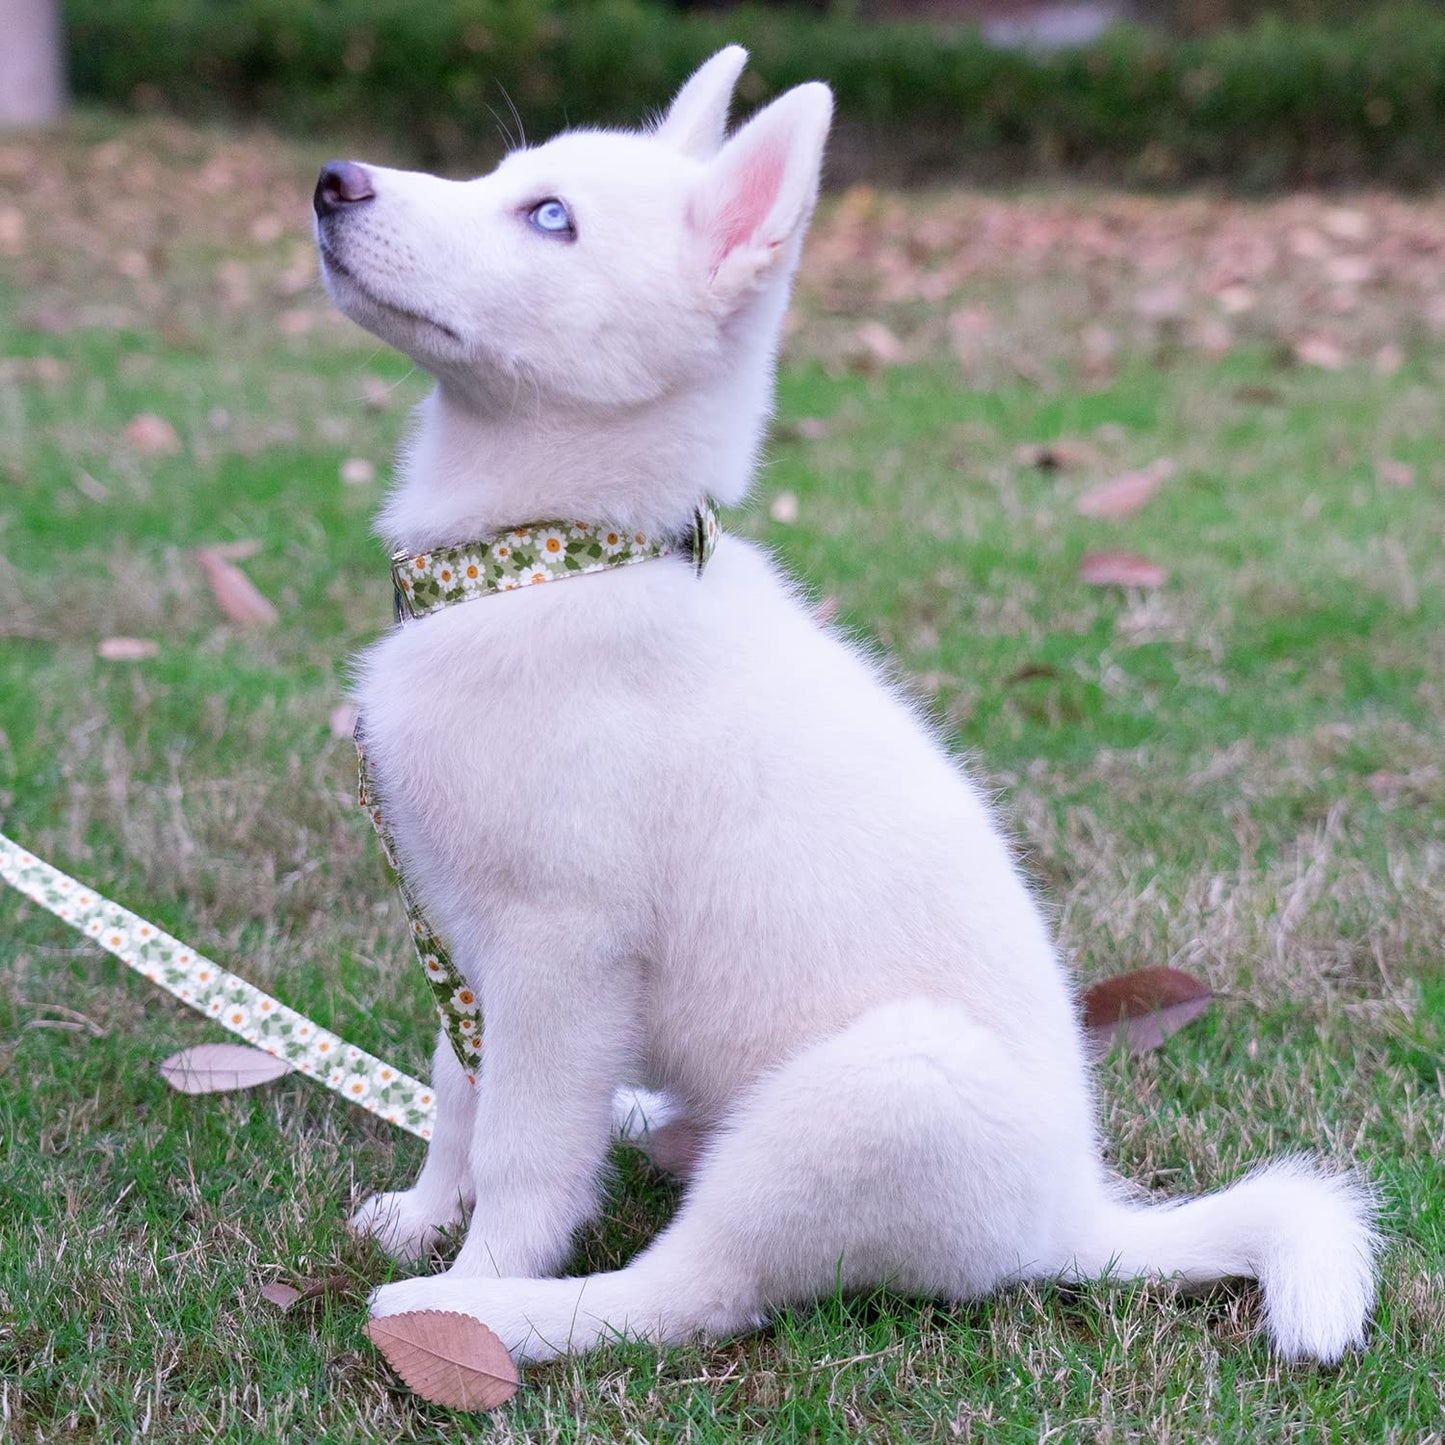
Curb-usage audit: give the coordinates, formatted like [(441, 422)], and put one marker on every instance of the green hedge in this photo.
[(1274, 104)]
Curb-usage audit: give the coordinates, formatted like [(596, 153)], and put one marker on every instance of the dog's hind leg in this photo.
[(408, 1222), (907, 1150)]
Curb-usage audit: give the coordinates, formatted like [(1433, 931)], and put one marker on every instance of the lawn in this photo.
[(1238, 772)]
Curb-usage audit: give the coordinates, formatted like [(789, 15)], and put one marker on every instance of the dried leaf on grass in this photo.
[(152, 434), (330, 1286), (235, 593), (449, 1359), (221, 1069), (127, 649), (878, 345), (1031, 672), (1139, 1010), (1124, 494), (1120, 569), (1322, 351), (784, 508)]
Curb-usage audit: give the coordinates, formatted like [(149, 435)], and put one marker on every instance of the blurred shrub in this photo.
[(1274, 104)]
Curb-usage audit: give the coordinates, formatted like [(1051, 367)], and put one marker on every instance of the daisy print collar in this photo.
[(536, 552)]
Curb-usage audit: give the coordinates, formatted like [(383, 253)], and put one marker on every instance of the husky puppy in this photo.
[(678, 835)]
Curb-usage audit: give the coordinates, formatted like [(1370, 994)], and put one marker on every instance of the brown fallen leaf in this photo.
[(1384, 784), (235, 593), (784, 508), (1389, 359), (1031, 672), (330, 1286), (1322, 351), (879, 345), (1120, 569), (825, 609), (1162, 303), (1139, 1010), (1126, 493), (1393, 473), (152, 434), (1347, 225), (358, 472), (127, 649), (449, 1359), (376, 392), (1257, 395), (221, 1068)]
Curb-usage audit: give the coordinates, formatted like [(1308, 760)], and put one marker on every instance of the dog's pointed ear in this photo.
[(698, 118), (750, 210)]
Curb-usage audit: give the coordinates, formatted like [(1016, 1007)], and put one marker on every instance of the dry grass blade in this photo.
[(449, 1359), (235, 593), (1124, 494), (1120, 569), (1139, 1010), (221, 1069)]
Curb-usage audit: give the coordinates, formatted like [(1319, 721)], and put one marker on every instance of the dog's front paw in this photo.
[(409, 1294), (405, 1223), (532, 1318)]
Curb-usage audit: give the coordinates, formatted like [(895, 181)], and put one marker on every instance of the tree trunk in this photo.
[(32, 69)]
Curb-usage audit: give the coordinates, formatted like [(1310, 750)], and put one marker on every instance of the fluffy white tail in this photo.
[(1307, 1236)]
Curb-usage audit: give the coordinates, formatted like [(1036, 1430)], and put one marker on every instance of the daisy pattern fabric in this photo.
[(456, 1001), (236, 1005), (533, 553)]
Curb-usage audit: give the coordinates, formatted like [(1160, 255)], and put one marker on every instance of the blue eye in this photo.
[(552, 217)]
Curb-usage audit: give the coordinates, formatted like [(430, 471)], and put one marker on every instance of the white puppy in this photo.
[(679, 835)]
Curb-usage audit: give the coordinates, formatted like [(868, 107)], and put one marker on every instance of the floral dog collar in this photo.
[(425, 583), (536, 552)]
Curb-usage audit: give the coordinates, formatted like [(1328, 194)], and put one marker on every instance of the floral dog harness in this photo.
[(502, 562)]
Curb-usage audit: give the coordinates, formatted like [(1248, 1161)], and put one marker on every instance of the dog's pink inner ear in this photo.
[(749, 192)]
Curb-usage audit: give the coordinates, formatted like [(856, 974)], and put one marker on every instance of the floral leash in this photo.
[(457, 1007), (521, 556), (236, 1005)]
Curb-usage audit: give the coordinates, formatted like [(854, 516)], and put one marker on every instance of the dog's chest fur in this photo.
[(688, 768)]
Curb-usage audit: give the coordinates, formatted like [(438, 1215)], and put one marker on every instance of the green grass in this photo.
[(1239, 774)]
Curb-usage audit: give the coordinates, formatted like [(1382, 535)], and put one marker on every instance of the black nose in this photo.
[(342, 183)]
